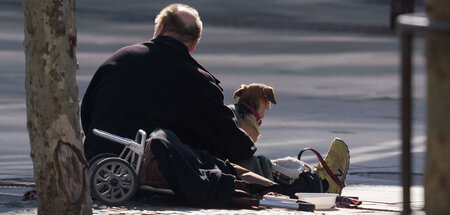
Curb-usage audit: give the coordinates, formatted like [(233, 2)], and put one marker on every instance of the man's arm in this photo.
[(236, 144)]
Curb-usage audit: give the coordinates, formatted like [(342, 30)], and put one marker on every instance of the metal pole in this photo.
[(399, 7), (406, 46), (408, 25), (408, 6)]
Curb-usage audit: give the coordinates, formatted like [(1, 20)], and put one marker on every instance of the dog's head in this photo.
[(257, 95)]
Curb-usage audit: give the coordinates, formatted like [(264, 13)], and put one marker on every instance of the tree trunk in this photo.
[(437, 177), (60, 167)]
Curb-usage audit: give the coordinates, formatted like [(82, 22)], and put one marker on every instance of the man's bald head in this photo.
[(179, 21)]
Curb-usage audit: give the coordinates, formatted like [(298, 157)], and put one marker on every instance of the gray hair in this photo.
[(172, 22)]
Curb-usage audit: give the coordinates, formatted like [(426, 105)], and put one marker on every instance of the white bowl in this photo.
[(321, 200)]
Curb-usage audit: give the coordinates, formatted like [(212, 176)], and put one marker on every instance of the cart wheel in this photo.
[(93, 161), (113, 181)]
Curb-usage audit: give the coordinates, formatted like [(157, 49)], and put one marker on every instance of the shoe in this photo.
[(338, 161)]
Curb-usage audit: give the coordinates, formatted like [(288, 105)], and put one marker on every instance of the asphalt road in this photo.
[(334, 66)]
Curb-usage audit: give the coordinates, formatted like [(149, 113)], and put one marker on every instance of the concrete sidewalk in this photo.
[(376, 200)]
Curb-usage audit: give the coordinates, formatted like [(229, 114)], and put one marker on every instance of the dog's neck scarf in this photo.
[(254, 112)]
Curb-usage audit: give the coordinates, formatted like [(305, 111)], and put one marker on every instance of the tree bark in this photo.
[(437, 177), (60, 167)]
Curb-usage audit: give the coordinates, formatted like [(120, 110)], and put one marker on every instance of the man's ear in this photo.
[(193, 47), (159, 31), (239, 91), (269, 94)]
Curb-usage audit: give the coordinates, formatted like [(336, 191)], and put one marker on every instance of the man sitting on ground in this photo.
[(159, 84)]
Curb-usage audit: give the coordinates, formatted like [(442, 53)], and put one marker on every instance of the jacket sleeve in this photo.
[(234, 143)]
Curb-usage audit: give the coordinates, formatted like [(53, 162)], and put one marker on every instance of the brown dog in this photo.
[(254, 99)]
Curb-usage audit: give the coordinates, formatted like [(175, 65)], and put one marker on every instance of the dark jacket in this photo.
[(158, 84)]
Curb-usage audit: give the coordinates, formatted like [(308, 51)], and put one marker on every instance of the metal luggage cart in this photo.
[(113, 179)]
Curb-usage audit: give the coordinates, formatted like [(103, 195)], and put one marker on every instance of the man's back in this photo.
[(158, 84)]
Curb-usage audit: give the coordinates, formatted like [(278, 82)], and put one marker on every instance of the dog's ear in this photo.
[(269, 94), (239, 91)]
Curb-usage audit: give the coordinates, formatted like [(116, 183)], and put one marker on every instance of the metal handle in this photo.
[(112, 137)]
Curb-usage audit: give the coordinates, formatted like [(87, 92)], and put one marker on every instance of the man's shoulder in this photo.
[(138, 48), (128, 53)]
